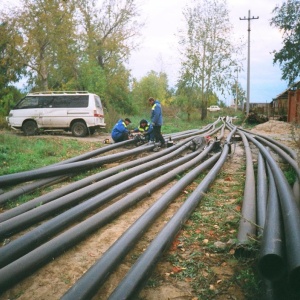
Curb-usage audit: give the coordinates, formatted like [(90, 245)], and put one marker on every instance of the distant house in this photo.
[(287, 104), (260, 108)]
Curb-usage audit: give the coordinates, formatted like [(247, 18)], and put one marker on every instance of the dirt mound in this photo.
[(273, 127)]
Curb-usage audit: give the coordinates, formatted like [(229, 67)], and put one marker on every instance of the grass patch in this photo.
[(21, 153)]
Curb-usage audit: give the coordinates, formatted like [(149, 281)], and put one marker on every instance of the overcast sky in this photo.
[(159, 43), (159, 47)]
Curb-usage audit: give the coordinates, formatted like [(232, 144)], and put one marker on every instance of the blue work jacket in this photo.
[(156, 114), (119, 129)]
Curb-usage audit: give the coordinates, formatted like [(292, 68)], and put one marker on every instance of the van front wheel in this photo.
[(30, 128), (79, 129)]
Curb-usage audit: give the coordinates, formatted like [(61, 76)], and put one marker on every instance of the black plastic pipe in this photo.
[(87, 286), (290, 160), (22, 190), (39, 213), (291, 218), (262, 193), (84, 182), (285, 148), (247, 227), (20, 268), (28, 188), (73, 167), (35, 237), (10, 179), (283, 154), (271, 261), (141, 270)]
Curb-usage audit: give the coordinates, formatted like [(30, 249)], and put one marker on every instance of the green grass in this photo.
[(20, 153)]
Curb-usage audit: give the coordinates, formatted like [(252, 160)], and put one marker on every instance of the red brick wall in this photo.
[(294, 106)]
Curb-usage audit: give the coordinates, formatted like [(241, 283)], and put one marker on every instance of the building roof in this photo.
[(284, 95)]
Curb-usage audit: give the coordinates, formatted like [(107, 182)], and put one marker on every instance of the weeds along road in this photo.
[(169, 220)]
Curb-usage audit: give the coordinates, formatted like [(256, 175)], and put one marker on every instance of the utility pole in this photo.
[(248, 62), (236, 89)]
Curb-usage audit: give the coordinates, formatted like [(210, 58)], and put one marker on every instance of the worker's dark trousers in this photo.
[(157, 135)]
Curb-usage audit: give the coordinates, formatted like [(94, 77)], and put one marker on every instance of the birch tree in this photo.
[(207, 50), (108, 33)]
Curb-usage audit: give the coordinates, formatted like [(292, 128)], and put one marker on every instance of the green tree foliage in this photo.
[(107, 33), (10, 68), (208, 51), (287, 20), (186, 99), (9, 96), (48, 50), (74, 45), (152, 85)]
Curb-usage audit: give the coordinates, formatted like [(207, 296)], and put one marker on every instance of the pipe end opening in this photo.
[(272, 267), (294, 279)]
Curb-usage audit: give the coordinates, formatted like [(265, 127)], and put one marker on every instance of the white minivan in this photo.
[(78, 112)]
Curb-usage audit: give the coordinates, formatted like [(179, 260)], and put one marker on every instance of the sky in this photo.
[(158, 50)]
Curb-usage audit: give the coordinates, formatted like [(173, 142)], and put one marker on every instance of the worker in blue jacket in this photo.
[(157, 121), (120, 132), (146, 129)]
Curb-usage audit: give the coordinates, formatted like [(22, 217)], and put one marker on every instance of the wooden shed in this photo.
[(286, 105)]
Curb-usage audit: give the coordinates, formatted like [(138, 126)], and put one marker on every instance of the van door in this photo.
[(44, 104), (27, 108), (55, 115)]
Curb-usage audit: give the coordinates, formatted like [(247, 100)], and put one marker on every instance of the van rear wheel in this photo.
[(30, 128), (79, 129)]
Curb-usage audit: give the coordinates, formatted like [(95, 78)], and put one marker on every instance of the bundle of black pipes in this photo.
[(37, 252), (29, 215), (279, 259)]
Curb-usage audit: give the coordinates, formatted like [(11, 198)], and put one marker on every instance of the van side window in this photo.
[(28, 102), (67, 101), (98, 102), (45, 101)]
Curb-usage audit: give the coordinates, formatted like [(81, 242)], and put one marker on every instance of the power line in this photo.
[(248, 60)]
